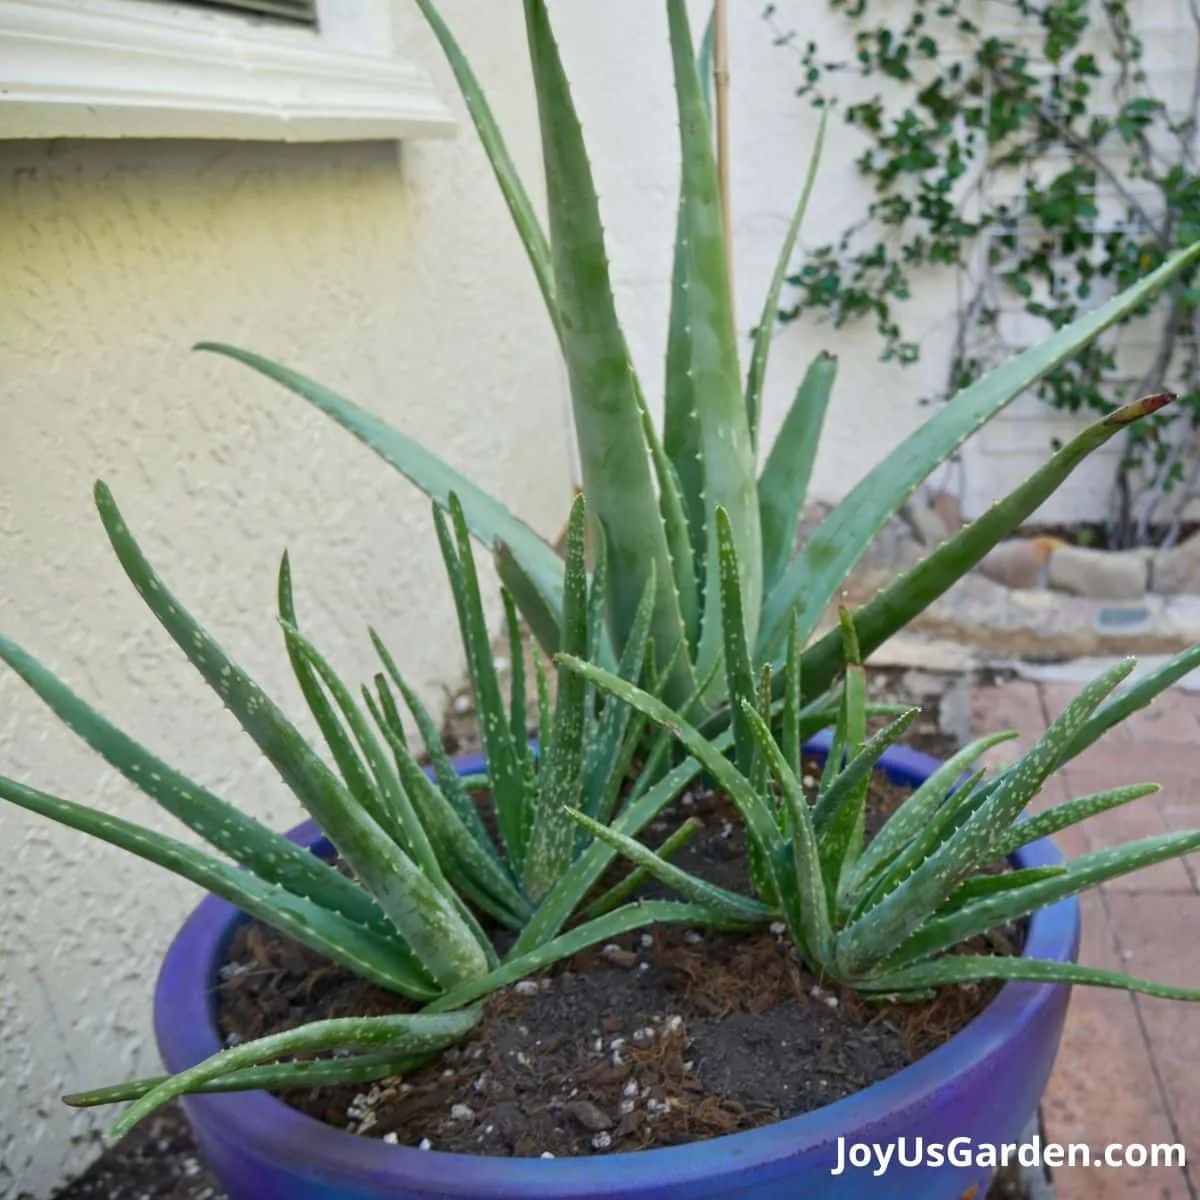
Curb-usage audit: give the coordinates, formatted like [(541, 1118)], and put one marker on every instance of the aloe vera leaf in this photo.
[(505, 764), (452, 785), (783, 484), (624, 888), (602, 754), (911, 817), (612, 447), (542, 614), (914, 591), (410, 833), (525, 218), (1048, 823), (407, 1035), (386, 961), (518, 717), (804, 895), (878, 932), (552, 840), (473, 871), (729, 904), (793, 703), (967, 968), (739, 675), (1127, 701), (267, 854), (425, 918), (677, 525), (941, 932), (814, 576), (757, 372), (307, 1073), (488, 519), (603, 929), (717, 405)]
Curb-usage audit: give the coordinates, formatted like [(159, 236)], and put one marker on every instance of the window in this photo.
[(274, 70)]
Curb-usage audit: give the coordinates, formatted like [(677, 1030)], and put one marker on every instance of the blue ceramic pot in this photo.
[(983, 1085)]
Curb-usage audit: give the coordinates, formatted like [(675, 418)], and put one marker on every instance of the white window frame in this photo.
[(135, 69)]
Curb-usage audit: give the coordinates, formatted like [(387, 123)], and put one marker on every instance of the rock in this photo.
[(1100, 574), (926, 522), (945, 504), (1176, 572), (590, 1116), (1020, 562)]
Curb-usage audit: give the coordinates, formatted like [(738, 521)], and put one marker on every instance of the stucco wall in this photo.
[(398, 282)]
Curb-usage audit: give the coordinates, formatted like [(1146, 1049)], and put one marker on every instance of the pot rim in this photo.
[(185, 1025)]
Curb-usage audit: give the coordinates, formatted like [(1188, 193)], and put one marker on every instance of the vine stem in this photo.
[(721, 94)]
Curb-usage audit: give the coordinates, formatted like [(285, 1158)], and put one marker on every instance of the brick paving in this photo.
[(1129, 1067)]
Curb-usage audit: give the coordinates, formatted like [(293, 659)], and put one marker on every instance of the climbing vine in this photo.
[(1032, 149)]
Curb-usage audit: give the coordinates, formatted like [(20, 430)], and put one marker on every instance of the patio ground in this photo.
[(1128, 1069)]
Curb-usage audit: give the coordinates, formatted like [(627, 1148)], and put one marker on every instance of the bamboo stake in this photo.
[(721, 92)]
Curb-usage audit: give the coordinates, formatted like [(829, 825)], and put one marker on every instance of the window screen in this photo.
[(302, 11)]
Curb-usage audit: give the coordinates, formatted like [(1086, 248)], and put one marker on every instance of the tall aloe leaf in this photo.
[(552, 840), (269, 855), (612, 447), (604, 745), (379, 957), (783, 485), (422, 914), (542, 613), (717, 406), (914, 591), (757, 373), (409, 1035), (519, 205), (739, 674), (487, 518), (816, 574), (677, 525)]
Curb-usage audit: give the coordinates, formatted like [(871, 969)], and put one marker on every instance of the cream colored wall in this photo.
[(400, 284)]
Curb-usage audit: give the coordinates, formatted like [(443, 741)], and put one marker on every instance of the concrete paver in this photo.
[(1129, 1067)]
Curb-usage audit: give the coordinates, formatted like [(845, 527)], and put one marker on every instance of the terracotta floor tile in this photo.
[(1156, 934), (1013, 705), (1139, 819), (1103, 1088), (1173, 717)]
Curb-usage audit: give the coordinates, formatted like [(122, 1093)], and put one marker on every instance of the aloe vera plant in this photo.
[(654, 493), (426, 868), (881, 916)]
